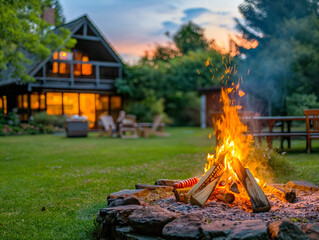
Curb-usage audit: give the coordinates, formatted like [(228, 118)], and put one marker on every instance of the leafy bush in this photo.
[(10, 124), (146, 109), (270, 166), (184, 108), (46, 119), (296, 103)]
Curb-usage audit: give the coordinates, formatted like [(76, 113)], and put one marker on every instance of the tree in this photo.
[(172, 84), (189, 37), (263, 19), (279, 27), (25, 37)]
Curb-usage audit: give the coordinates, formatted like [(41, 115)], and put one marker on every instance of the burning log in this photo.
[(258, 199), (186, 183), (224, 195), (281, 194), (200, 193)]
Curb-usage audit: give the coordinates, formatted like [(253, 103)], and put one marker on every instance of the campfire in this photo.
[(227, 175)]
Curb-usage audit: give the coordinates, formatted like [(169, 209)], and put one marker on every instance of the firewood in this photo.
[(201, 196), (289, 196), (258, 199), (234, 188), (224, 195), (302, 186), (215, 171), (180, 193)]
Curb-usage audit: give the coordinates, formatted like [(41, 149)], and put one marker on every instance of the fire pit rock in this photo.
[(152, 212), (150, 220), (250, 229), (184, 227), (285, 230)]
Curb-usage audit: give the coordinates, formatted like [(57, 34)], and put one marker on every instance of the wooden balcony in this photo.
[(102, 78)]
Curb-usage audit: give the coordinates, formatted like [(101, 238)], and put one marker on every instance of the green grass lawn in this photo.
[(71, 178)]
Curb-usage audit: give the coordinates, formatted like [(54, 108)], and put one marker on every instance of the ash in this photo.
[(304, 210)]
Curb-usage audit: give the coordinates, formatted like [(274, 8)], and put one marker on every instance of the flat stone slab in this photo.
[(116, 215), (166, 182), (312, 231), (150, 220), (248, 230), (184, 227), (154, 187), (129, 192), (302, 185), (285, 230), (120, 201)]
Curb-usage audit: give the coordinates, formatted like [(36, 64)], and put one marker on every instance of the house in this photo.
[(78, 82)]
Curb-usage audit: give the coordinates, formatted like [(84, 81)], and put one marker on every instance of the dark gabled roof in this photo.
[(73, 26)]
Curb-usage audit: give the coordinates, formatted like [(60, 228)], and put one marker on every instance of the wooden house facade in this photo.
[(78, 82)]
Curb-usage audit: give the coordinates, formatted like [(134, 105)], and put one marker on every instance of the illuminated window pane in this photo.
[(55, 55), (70, 103), (54, 103), (5, 110), (116, 103), (64, 68), (86, 68), (65, 55), (87, 107), (55, 67), (102, 102), (77, 67), (42, 101), (25, 101), (1, 104), (34, 98)]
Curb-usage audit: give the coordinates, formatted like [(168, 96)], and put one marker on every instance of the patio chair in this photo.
[(154, 129), (108, 125), (128, 125), (312, 116)]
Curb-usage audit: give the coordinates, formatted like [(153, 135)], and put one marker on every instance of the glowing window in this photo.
[(61, 68), (65, 55), (116, 103), (54, 103), (86, 68), (42, 101), (5, 110), (77, 67), (70, 103), (25, 101), (87, 107), (34, 100), (55, 67), (102, 102)]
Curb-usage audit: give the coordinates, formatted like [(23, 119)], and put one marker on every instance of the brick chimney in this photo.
[(48, 15)]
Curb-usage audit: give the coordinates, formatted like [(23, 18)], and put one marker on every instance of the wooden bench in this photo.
[(283, 135)]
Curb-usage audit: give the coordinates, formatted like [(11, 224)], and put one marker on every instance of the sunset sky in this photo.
[(133, 26)]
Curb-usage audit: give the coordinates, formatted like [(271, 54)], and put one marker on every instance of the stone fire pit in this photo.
[(152, 212)]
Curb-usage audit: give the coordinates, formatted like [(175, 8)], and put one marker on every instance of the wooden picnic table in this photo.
[(284, 134)]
